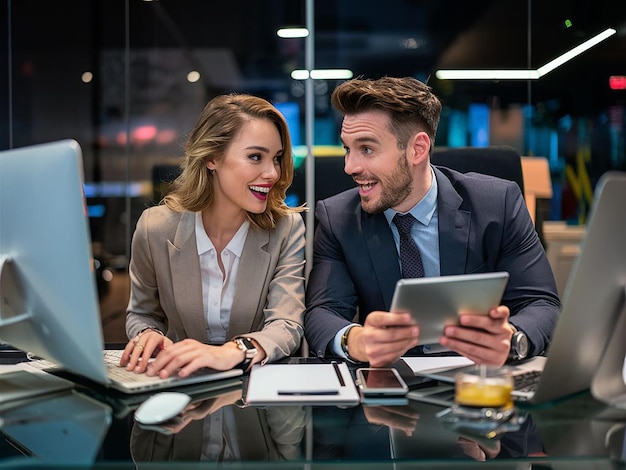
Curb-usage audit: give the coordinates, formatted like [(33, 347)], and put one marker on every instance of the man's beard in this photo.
[(393, 189)]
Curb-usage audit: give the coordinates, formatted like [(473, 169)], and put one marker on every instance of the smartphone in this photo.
[(380, 382)]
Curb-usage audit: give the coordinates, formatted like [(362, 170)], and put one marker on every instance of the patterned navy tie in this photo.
[(410, 257)]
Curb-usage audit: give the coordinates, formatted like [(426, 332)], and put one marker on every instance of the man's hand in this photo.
[(384, 338), (395, 417), (480, 451), (485, 339)]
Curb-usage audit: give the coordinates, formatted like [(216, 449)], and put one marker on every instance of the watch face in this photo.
[(524, 345), (521, 344), (250, 349)]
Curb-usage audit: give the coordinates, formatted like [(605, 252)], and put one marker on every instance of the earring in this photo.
[(211, 171)]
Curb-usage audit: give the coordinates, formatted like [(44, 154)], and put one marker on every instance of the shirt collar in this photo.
[(424, 210), (235, 245)]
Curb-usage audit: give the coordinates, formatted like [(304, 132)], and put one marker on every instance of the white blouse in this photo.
[(218, 289)]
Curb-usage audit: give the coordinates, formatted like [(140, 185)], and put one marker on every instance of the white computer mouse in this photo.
[(161, 407)]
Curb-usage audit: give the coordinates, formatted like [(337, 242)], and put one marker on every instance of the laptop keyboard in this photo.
[(111, 363), (43, 364), (120, 374), (526, 381)]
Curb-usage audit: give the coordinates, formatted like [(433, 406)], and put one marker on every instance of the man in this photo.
[(465, 224)]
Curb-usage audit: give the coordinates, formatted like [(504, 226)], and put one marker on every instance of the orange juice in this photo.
[(483, 394), (484, 387)]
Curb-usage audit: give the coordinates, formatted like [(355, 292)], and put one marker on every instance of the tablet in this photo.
[(435, 302)]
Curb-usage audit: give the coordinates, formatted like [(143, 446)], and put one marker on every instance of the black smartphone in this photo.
[(380, 382)]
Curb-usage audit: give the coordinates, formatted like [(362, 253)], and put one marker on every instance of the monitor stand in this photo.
[(12, 304), (20, 384), (609, 383)]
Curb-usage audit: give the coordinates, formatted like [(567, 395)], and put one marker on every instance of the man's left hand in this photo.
[(485, 339)]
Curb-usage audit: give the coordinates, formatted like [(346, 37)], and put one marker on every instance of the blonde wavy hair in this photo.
[(216, 127)]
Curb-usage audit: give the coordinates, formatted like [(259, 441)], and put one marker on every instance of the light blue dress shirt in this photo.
[(425, 234)]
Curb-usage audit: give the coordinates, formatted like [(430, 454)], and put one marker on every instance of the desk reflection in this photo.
[(218, 430), (66, 428), (411, 432), (69, 428)]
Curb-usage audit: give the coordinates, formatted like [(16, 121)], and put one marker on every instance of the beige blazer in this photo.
[(166, 285)]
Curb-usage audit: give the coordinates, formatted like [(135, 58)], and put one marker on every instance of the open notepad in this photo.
[(318, 384)]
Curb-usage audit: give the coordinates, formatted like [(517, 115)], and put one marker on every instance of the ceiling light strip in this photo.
[(287, 33), (487, 74), (323, 74), (524, 74), (569, 55)]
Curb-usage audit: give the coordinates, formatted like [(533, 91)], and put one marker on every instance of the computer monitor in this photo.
[(602, 267), (48, 296), (594, 296)]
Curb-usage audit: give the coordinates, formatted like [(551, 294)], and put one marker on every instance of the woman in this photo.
[(217, 270)]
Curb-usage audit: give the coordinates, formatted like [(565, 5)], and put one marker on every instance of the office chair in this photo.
[(503, 162), (500, 161)]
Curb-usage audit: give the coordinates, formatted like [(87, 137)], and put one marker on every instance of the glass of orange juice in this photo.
[(483, 402), (484, 387)]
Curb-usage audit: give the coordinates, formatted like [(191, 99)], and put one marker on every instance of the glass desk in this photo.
[(88, 428)]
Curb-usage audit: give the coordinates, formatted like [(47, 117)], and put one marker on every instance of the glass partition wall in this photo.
[(127, 79)]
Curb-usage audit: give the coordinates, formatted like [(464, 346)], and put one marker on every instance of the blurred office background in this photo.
[(127, 79)]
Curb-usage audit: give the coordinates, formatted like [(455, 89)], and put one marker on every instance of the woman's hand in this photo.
[(141, 348), (187, 356), (200, 410)]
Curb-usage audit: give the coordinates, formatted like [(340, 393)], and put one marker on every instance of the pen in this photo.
[(339, 376), (307, 393)]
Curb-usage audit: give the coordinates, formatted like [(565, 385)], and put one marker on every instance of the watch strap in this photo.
[(249, 349)]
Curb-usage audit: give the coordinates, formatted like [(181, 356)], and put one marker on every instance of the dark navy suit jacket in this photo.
[(484, 226)]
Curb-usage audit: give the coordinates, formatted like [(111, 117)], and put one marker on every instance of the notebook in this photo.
[(592, 305), (302, 384)]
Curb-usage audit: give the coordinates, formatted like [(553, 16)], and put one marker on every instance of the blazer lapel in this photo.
[(253, 274), (382, 250), (186, 278), (454, 227)]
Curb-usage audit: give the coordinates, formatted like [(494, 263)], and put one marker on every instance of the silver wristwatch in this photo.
[(249, 349), (520, 346)]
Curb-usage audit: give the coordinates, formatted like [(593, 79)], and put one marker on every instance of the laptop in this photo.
[(593, 303), (129, 382), (49, 302)]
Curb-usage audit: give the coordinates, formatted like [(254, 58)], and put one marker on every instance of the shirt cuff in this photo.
[(336, 344)]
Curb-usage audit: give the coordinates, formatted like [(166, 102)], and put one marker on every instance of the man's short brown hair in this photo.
[(411, 104)]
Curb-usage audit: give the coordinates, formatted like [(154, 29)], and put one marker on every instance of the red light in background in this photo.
[(144, 133), (617, 82)]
